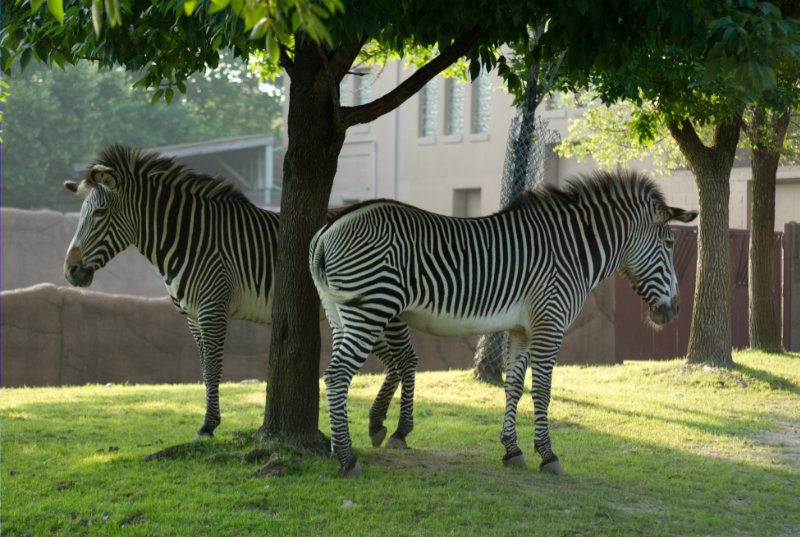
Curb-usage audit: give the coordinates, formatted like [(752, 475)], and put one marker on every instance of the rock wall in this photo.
[(33, 247), (125, 329)]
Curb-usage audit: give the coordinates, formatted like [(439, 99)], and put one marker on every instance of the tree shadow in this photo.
[(775, 382)]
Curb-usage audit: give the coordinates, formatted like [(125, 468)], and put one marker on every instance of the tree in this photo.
[(703, 83), (766, 131)]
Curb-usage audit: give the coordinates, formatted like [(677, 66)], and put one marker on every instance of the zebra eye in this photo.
[(669, 243), (99, 213)]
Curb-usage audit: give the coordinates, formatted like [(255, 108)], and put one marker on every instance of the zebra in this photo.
[(214, 248), (526, 269)]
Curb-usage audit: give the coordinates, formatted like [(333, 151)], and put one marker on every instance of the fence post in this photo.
[(791, 286)]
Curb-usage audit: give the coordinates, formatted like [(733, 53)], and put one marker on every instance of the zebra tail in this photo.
[(320, 277)]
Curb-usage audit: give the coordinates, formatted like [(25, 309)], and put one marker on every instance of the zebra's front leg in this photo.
[(212, 328), (542, 373), (516, 367)]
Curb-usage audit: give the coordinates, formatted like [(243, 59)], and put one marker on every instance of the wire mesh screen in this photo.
[(529, 155)]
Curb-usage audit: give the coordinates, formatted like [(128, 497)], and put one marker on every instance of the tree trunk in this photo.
[(710, 336), (767, 135), (292, 407)]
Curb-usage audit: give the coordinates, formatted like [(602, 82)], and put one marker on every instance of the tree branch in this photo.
[(353, 115)]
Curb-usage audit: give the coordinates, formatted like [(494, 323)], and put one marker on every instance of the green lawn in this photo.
[(651, 448)]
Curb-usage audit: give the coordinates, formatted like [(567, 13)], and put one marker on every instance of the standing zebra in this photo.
[(214, 248), (526, 269)]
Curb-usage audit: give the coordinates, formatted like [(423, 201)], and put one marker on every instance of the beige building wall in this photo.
[(388, 158)]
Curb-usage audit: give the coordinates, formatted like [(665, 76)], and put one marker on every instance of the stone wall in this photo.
[(53, 334), (34, 244)]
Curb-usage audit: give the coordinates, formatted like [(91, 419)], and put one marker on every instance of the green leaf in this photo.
[(189, 6), (114, 14), (218, 5), (35, 5), (56, 7), (25, 58), (156, 96), (97, 16), (169, 94)]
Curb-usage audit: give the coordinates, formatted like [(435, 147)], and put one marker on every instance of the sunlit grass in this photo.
[(651, 448)]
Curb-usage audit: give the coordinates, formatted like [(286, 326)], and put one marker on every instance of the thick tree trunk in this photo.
[(767, 133), (292, 407), (710, 336)]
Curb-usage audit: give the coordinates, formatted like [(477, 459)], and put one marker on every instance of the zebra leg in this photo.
[(348, 357), (543, 363), (212, 326), (405, 361), (377, 412), (518, 359)]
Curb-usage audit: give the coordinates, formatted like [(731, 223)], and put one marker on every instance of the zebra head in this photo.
[(102, 232), (648, 266)]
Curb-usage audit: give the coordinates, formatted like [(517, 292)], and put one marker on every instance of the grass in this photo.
[(651, 448)]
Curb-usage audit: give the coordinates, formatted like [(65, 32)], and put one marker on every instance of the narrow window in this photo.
[(428, 108), (454, 112), (481, 103), (363, 87)]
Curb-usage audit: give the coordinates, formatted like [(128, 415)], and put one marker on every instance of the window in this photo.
[(454, 113), (466, 202), (481, 103), (363, 87), (356, 88), (428, 108)]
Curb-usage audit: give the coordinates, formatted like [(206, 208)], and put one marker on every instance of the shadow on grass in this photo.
[(775, 382)]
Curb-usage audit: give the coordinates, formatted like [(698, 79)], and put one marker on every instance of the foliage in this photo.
[(629, 436), (55, 119)]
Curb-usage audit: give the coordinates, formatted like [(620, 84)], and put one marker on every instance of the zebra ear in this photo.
[(666, 214), (102, 176), (78, 187)]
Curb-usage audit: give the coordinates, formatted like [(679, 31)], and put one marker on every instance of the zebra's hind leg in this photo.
[(379, 408), (405, 362), (516, 368), (348, 356)]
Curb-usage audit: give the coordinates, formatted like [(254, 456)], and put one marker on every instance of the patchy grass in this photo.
[(651, 448)]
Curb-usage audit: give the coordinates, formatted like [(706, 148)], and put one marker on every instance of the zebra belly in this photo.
[(444, 324), (253, 308)]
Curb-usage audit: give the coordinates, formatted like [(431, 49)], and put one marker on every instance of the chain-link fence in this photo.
[(529, 155)]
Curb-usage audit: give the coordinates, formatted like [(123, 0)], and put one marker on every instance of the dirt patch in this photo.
[(783, 443)]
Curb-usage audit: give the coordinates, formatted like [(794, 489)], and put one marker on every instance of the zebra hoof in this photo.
[(396, 443), (378, 437), (351, 470), (552, 467), (516, 461)]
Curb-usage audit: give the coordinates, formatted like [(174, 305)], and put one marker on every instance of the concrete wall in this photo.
[(52, 334)]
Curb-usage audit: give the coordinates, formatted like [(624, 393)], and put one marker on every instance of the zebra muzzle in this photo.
[(664, 313), (74, 271)]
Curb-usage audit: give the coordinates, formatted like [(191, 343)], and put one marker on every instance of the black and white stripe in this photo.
[(526, 269)]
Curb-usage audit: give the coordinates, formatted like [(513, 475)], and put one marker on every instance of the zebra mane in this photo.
[(135, 164), (600, 185)]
